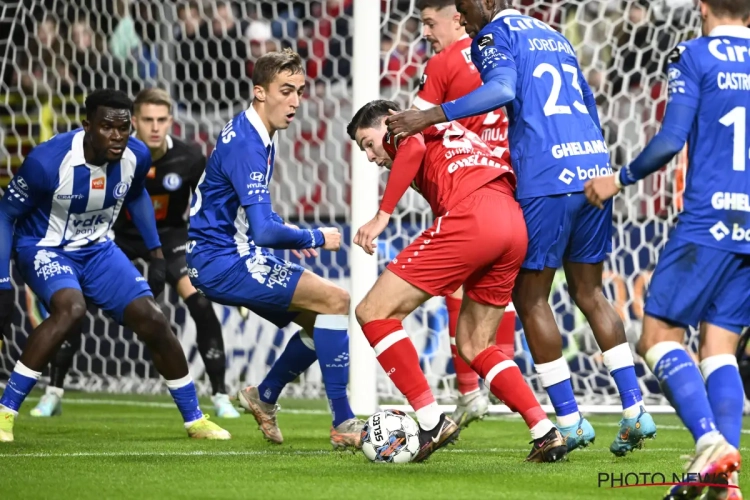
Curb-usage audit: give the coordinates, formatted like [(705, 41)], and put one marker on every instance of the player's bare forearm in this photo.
[(367, 234), (156, 253), (412, 121)]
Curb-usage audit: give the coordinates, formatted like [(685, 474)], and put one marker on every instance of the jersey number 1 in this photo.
[(551, 107), (736, 118)]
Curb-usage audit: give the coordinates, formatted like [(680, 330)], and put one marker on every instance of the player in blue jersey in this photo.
[(707, 257), (556, 144), (63, 201), (232, 223)]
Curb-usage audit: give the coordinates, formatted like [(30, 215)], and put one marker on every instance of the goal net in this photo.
[(203, 53)]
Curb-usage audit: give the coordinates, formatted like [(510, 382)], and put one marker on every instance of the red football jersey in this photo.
[(446, 163), (449, 75)]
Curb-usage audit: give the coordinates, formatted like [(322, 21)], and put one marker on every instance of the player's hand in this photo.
[(405, 123), (307, 252), (157, 275), (600, 189), (367, 234), (332, 238), (7, 302)]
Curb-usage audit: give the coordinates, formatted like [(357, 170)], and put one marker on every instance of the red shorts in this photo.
[(480, 244)]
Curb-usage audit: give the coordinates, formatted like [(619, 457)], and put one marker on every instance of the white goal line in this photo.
[(504, 410)]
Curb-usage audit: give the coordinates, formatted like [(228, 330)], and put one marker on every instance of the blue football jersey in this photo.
[(712, 75), (554, 143), (68, 203), (237, 175)]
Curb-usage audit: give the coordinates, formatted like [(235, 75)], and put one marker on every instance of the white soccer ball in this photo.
[(390, 436)]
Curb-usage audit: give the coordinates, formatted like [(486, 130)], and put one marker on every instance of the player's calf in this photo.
[(477, 326), (380, 313), (66, 313), (145, 318)]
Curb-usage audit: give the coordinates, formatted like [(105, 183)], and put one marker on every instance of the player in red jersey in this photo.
[(450, 74), (478, 240)]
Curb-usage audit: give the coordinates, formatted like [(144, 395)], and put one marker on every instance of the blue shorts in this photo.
[(566, 227), (102, 272), (261, 282), (694, 283)]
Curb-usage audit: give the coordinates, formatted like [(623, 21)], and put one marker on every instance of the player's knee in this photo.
[(586, 298), (151, 323), (339, 301), (364, 312), (466, 349), (70, 314)]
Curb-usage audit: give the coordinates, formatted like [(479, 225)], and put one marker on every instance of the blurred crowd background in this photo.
[(204, 51)]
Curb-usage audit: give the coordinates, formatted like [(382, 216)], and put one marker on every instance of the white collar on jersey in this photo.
[(170, 142), (731, 30), (77, 157), (256, 122), (507, 12)]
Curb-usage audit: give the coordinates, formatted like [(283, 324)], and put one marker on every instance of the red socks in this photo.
[(505, 338), (466, 378), (505, 381), (398, 357)]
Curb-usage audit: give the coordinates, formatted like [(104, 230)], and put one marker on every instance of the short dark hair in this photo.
[(369, 115), (107, 98), (269, 65), (434, 4), (735, 9)]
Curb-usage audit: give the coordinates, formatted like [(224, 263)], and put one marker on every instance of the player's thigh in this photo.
[(686, 283), (319, 295), (173, 244), (730, 308), (47, 271), (110, 280), (548, 222), (391, 297), (590, 239), (656, 330)]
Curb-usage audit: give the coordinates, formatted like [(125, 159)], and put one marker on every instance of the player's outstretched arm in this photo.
[(662, 148), (22, 195), (142, 212), (269, 233), (405, 166), (498, 90)]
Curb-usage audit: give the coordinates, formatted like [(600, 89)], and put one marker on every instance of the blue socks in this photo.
[(619, 362), (298, 355), (555, 378), (683, 385), (725, 394), (22, 380), (186, 398), (332, 345)]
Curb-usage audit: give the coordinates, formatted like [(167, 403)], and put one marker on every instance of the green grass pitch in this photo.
[(106, 446)]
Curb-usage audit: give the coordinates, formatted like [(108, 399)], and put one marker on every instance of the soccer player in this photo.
[(709, 248), (556, 144), (63, 201), (478, 240), (232, 224), (449, 75), (170, 181)]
